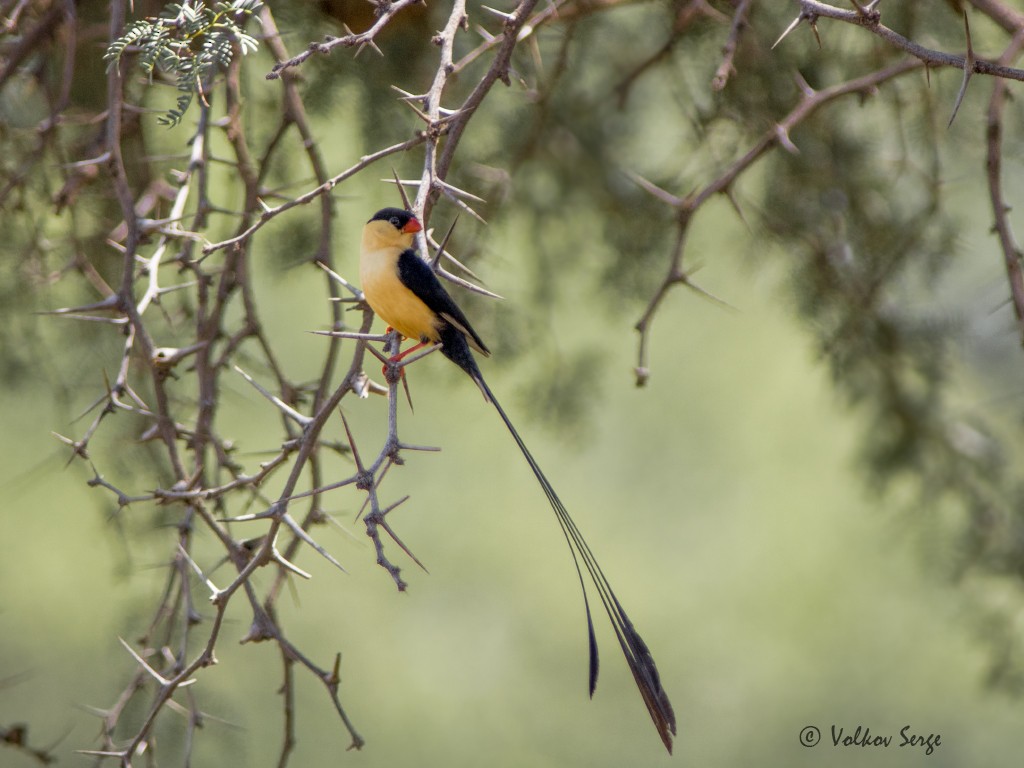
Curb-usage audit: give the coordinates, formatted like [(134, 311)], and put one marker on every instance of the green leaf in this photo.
[(189, 42)]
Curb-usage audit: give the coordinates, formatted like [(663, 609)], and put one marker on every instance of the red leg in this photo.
[(409, 351), (397, 357)]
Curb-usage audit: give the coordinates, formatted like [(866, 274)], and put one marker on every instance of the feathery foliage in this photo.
[(190, 43)]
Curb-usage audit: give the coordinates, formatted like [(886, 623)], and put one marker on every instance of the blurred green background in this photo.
[(777, 581), (721, 501)]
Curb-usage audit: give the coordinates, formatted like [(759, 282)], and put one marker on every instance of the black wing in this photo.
[(418, 277)]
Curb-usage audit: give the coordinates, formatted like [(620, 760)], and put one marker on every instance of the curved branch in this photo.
[(386, 10), (687, 207), (812, 10), (993, 164)]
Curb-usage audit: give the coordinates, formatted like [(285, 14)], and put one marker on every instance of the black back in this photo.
[(419, 278)]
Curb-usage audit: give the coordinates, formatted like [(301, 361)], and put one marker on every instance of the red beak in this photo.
[(413, 225)]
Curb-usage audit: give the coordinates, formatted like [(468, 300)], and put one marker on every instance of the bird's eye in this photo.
[(395, 222)]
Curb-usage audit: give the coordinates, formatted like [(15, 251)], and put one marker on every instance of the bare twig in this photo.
[(1012, 254), (739, 23), (387, 12), (812, 10), (687, 207)]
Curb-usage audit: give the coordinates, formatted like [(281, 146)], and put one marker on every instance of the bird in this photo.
[(404, 291)]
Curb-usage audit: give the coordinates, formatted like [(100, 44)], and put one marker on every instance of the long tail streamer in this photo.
[(638, 656)]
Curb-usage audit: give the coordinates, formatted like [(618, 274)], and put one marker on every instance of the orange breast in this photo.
[(393, 303)]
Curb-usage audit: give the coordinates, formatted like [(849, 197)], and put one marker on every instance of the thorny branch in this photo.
[(686, 208), (1012, 254), (867, 17), (212, 495), (386, 12), (870, 19)]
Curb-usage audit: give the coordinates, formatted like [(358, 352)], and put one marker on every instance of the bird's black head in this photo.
[(400, 219)]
